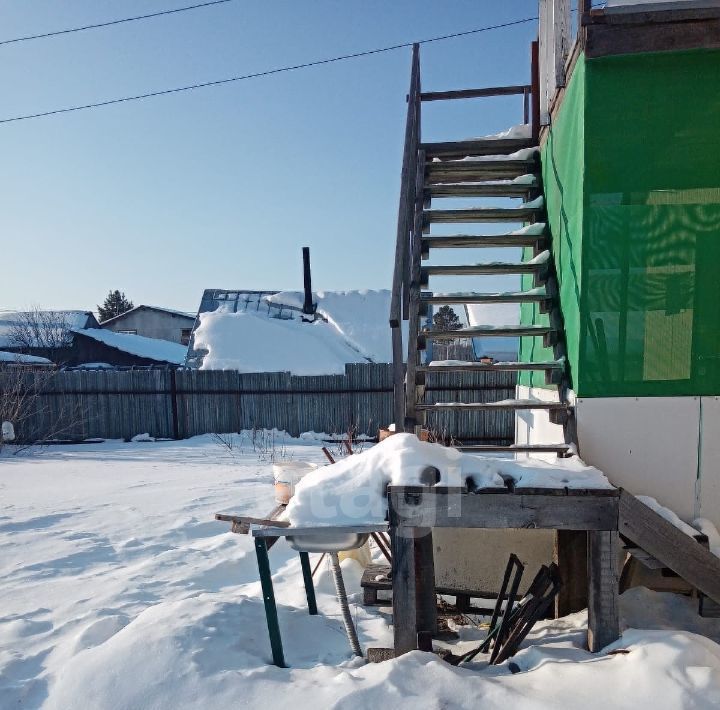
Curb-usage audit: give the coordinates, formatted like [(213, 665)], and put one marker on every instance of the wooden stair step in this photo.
[(477, 170), (480, 241), (483, 214), (481, 189), (537, 295), (475, 147), (491, 269), (487, 331), (506, 404), (453, 366), (517, 448)]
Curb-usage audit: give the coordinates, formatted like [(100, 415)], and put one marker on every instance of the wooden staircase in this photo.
[(486, 167)]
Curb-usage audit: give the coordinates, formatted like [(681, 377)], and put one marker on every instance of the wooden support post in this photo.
[(308, 580), (404, 597), (426, 601), (603, 602), (570, 555), (535, 90), (271, 615)]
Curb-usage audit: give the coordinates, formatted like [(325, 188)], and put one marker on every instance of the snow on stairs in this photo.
[(490, 167), (660, 539)]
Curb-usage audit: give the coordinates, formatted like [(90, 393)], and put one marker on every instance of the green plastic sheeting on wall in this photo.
[(632, 182), (563, 168)]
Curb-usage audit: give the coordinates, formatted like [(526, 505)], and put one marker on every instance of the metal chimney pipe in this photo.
[(308, 305)]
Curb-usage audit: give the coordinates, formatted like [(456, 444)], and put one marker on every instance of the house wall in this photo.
[(152, 324), (651, 238), (643, 327), (633, 200), (88, 350)]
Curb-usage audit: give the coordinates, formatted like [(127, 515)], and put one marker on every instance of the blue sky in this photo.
[(221, 187)]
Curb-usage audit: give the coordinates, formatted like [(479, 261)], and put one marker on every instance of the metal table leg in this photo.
[(271, 615), (308, 580)]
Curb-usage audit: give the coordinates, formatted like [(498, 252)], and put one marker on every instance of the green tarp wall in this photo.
[(632, 182)]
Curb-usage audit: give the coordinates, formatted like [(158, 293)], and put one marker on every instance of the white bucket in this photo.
[(287, 474)]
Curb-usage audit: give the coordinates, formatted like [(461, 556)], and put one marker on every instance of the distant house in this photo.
[(153, 322), (264, 331), (44, 334), (96, 347)]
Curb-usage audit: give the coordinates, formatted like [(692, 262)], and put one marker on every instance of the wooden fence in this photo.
[(183, 403)]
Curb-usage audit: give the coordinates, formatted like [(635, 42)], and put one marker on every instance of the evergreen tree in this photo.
[(115, 304), (446, 319)]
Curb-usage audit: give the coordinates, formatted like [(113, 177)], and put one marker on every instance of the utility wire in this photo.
[(268, 72), (114, 22)]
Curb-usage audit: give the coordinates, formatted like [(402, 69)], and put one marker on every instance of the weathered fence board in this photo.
[(185, 403)]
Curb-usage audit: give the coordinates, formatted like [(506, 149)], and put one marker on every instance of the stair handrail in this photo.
[(401, 273)]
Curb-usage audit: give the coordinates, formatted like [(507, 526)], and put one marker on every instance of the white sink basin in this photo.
[(331, 541)]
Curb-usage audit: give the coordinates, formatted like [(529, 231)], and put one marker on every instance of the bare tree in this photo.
[(38, 329), (25, 405)]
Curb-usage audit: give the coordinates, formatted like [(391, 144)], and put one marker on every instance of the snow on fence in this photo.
[(183, 403)]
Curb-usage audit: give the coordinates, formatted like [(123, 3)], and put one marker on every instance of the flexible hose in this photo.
[(344, 608)]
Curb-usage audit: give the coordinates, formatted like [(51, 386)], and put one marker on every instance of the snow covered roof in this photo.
[(171, 311), (150, 348), (251, 341), (20, 359), (71, 319), (262, 331)]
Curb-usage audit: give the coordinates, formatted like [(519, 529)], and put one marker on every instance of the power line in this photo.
[(114, 22), (268, 72)]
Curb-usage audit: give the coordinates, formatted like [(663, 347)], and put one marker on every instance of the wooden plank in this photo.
[(498, 510), (404, 594), (488, 332), (493, 269), (478, 170), (603, 600), (473, 93), (480, 146), (426, 602), (404, 207), (509, 404), (509, 297), (570, 555), (607, 40), (661, 539), (483, 214), (656, 13), (481, 189), (248, 520), (413, 355), (562, 39), (481, 241)]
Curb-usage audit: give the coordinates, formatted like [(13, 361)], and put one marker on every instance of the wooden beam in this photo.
[(606, 40), (404, 596), (676, 550), (535, 89), (473, 93), (603, 599), (426, 602), (570, 553), (421, 507)]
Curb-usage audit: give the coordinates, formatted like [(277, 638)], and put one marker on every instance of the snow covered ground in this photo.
[(118, 591)]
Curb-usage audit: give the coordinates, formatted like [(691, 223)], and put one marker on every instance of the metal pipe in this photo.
[(344, 608)]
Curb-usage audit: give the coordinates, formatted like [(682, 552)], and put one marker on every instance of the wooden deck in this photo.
[(414, 511)]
